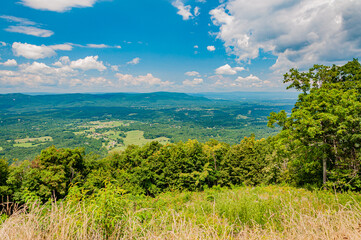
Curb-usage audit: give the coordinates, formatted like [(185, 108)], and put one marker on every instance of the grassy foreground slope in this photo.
[(271, 212)]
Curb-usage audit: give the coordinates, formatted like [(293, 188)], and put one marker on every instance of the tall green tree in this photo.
[(53, 171), (4, 172), (325, 124)]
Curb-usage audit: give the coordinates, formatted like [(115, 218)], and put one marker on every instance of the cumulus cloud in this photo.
[(228, 70), (192, 73), (32, 51), (299, 33), (194, 82), (58, 5), (248, 82), (12, 79), (88, 63), (2, 44), (36, 75), (145, 80), (211, 48), (7, 73), (102, 81), (248, 78), (29, 30), (134, 61), (183, 10), (64, 60), (115, 68), (10, 63), (37, 68), (43, 69)]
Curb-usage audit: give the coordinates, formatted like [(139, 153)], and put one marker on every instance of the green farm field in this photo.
[(136, 137), (31, 142)]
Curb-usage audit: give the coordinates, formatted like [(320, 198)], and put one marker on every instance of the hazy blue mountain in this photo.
[(273, 97), (25, 102)]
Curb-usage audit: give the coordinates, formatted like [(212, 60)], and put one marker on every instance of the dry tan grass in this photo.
[(64, 222)]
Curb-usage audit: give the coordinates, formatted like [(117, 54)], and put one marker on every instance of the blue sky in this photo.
[(170, 45)]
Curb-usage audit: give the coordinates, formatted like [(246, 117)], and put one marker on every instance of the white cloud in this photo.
[(98, 46), (192, 73), (43, 69), (248, 78), (30, 30), (7, 73), (211, 48), (97, 81), (300, 33), (196, 11), (228, 83), (88, 63), (64, 60), (37, 68), (91, 45), (2, 44), (32, 51), (194, 82), (184, 11), (22, 21), (201, 1), (10, 63), (64, 47), (195, 46), (11, 79), (26, 26), (251, 81), (58, 5), (134, 61), (146, 80), (36, 75), (115, 68), (228, 70)]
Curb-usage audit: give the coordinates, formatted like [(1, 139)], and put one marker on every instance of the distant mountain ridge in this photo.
[(250, 96), (24, 102)]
